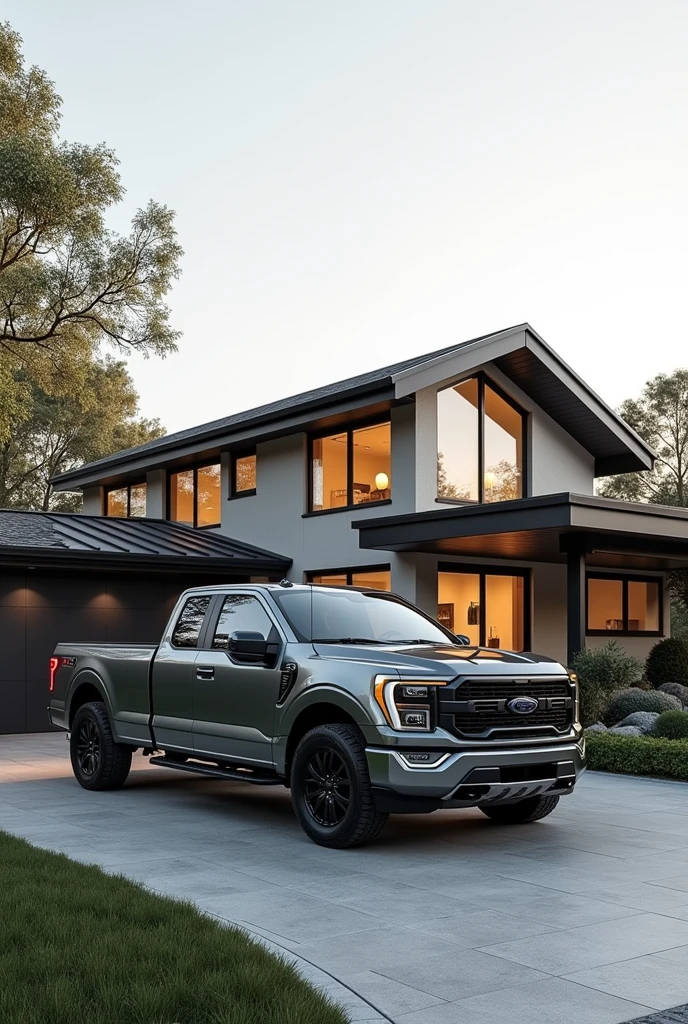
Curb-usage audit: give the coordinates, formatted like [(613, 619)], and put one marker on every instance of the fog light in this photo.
[(423, 758)]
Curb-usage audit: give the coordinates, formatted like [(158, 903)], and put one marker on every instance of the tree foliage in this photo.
[(660, 416), (67, 282), (57, 433)]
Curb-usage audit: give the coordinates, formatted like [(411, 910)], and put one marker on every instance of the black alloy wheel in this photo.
[(98, 762), (88, 747), (330, 787), (327, 787)]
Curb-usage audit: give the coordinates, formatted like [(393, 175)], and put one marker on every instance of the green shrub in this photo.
[(676, 690), (600, 672), (624, 702), (638, 755), (667, 662), (673, 725)]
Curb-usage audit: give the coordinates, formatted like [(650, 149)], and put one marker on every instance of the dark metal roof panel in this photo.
[(71, 532)]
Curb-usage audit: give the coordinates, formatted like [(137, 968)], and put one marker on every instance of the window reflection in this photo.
[(244, 473), (503, 448), (457, 442), (196, 497), (208, 495), (129, 501)]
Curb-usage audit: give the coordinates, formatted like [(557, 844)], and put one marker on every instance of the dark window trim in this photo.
[(347, 571), (482, 570), (484, 378), (375, 421), (625, 578), (242, 453), (215, 611), (125, 487), (194, 470)]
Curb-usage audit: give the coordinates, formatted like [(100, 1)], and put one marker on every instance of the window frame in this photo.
[(481, 571), (243, 453), (194, 469), (483, 379), (349, 430), (276, 634), (125, 487), (349, 572), (625, 579)]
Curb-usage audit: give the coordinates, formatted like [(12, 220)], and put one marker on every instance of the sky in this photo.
[(360, 181)]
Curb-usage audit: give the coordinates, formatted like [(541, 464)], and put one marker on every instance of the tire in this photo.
[(97, 761), (532, 809), (338, 812)]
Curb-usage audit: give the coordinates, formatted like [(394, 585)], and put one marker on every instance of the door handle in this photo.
[(203, 672)]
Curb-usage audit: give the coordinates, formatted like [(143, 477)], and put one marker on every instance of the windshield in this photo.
[(350, 616)]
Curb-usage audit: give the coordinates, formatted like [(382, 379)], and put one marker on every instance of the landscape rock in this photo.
[(625, 730), (597, 727), (643, 720)]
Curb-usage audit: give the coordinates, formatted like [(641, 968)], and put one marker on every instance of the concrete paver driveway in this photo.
[(446, 918)]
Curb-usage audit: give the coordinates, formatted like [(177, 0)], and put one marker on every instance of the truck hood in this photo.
[(442, 661)]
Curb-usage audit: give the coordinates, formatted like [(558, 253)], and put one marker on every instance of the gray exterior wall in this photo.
[(92, 501)]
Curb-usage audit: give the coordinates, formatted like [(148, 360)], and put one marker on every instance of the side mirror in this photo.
[(247, 645), (463, 639)]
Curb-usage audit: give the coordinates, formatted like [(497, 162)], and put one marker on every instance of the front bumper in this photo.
[(470, 778)]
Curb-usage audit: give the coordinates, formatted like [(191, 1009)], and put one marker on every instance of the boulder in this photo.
[(597, 727), (625, 730), (643, 720)]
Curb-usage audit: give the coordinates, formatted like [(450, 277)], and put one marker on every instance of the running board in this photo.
[(231, 774)]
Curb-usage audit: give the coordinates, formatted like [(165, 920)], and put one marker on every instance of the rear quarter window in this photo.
[(188, 626)]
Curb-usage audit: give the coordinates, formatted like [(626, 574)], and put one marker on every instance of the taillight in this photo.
[(55, 664)]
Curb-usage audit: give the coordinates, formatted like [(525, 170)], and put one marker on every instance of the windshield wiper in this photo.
[(349, 640)]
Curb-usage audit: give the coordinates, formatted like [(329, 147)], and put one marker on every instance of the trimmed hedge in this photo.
[(667, 662), (673, 725), (637, 755)]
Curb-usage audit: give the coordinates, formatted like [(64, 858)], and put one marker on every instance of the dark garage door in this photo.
[(38, 610)]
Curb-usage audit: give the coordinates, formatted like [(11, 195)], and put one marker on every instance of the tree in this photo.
[(660, 416), (58, 433), (445, 488), (67, 282)]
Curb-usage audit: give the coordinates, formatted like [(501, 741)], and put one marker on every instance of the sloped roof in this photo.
[(128, 542), (526, 358)]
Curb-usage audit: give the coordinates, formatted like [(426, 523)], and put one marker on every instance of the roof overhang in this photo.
[(523, 357), (613, 533)]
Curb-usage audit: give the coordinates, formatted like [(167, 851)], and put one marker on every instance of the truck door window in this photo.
[(240, 612), (188, 627)]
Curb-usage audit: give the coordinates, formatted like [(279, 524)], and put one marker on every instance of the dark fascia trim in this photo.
[(40, 558), (292, 420)]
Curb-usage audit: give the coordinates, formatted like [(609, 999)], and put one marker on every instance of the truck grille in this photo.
[(477, 707)]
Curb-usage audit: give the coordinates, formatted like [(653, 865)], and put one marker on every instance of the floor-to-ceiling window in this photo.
[(480, 443), (485, 604)]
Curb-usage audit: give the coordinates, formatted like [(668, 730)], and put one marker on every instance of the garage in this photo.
[(69, 577)]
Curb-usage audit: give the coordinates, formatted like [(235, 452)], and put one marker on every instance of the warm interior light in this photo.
[(382, 481), (490, 479)]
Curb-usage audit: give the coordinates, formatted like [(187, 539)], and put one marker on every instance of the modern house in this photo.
[(462, 479)]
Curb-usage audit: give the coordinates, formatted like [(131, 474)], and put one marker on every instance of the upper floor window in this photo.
[(243, 474), (195, 496), (480, 443), (129, 501), (624, 604), (352, 467)]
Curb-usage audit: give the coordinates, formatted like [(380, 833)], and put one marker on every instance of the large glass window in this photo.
[(377, 578), (129, 501), (195, 496), (624, 604), (480, 440), (487, 607), (353, 467)]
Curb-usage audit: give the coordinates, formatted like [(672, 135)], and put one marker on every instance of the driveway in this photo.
[(446, 919)]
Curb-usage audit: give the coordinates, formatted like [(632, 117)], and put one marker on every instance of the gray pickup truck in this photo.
[(354, 699)]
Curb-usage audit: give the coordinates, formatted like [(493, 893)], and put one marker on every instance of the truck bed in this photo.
[(121, 671)]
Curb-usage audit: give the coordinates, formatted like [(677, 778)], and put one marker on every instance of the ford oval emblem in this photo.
[(522, 705)]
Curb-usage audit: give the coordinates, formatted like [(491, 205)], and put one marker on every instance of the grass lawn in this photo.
[(78, 946)]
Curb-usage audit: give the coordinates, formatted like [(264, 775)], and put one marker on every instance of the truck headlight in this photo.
[(408, 705)]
